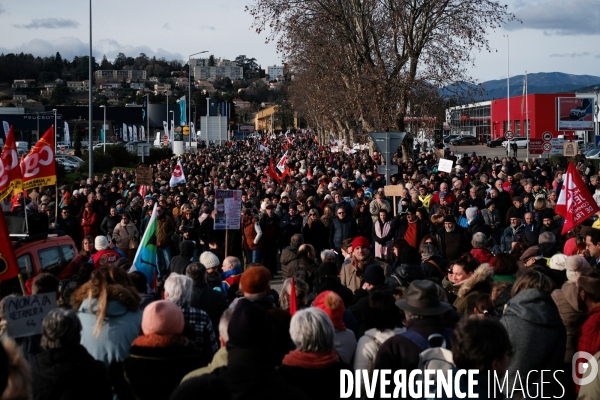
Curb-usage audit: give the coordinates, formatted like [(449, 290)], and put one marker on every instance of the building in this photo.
[(265, 120), (79, 86), (120, 75), (23, 83), (274, 71), (470, 119), (221, 69)]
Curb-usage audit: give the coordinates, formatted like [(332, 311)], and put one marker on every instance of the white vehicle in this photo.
[(22, 146), (76, 161), (521, 142), (68, 166), (101, 145), (593, 154), (63, 144)]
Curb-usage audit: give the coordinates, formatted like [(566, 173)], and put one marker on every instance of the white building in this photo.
[(221, 69), (274, 71)]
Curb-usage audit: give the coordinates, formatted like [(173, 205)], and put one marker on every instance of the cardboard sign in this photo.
[(144, 175), (569, 149), (445, 165), (24, 314), (393, 190)]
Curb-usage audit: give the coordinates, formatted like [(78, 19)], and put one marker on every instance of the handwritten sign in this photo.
[(143, 175), (445, 165), (228, 210), (24, 314)]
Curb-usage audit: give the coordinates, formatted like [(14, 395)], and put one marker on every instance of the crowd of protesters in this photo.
[(475, 256)]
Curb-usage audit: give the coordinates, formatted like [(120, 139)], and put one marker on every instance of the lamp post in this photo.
[(190, 95), (104, 128), (172, 129), (147, 96), (91, 113), (167, 93)]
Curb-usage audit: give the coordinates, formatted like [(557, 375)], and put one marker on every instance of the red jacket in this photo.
[(589, 336), (104, 258), (483, 255)]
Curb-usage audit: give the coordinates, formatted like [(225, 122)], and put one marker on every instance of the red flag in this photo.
[(8, 262), (293, 305), (10, 172), (142, 191), (286, 172), (309, 174), (272, 172), (575, 203), (266, 142), (39, 167)]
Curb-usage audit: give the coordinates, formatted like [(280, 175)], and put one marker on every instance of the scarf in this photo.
[(156, 340), (316, 360)]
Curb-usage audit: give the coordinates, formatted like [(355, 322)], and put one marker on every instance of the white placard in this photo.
[(24, 314), (445, 165)]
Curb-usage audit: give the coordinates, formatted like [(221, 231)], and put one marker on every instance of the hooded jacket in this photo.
[(567, 301), (480, 282), (512, 234), (186, 252), (537, 336)]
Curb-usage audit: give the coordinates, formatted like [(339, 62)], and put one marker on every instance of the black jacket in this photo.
[(69, 373), (210, 301)]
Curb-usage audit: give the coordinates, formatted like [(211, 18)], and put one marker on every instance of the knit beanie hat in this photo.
[(360, 241), (162, 317), (570, 246), (255, 280), (573, 265), (558, 261), (101, 243), (250, 326), (471, 213), (374, 275), (209, 260), (332, 304)]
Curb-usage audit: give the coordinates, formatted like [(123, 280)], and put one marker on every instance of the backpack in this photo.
[(435, 354)]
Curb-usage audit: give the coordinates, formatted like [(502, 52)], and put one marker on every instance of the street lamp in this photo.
[(90, 110), (104, 127), (147, 96), (172, 127), (190, 95)]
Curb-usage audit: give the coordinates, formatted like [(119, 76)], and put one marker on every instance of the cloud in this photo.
[(2, 10), (49, 23), (69, 47), (557, 17), (206, 28), (167, 26), (571, 55)]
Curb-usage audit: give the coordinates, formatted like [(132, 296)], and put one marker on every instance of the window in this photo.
[(50, 258), (518, 128), (25, 266)]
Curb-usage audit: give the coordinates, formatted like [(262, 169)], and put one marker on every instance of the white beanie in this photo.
[(574, 264), (101, 243), (209, 260), (471, 213), (558, 262)]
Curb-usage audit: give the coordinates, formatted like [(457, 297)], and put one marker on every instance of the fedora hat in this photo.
[(422, 299)]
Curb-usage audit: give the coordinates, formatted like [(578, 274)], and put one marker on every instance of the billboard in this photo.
[(574, 113)]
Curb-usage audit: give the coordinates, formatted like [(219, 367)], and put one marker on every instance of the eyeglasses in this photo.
[(341, 213), (124, 219)]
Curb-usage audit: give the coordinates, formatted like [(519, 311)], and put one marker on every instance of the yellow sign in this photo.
[(186, 131)]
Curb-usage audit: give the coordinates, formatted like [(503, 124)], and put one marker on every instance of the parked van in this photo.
[(23, 146)]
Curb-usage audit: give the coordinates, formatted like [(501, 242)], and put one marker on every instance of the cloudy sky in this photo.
[(556, 35)]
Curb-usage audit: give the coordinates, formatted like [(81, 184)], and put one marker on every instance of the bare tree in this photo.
[(358, 65)]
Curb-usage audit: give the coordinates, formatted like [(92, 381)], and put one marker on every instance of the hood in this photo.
[(120, 299), (534, 306), (186, 248), (483, 274), (548, 249)]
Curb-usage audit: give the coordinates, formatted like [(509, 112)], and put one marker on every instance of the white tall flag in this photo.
[(177, 176), (6, 129), (166, 127), (281, 163), (130, 133), (67, 136), (172, 133), (143, 133), (124, 134), (135, 133)]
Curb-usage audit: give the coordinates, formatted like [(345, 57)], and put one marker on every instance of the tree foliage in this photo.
[(360, 66)]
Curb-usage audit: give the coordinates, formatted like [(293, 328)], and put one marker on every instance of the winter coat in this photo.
[(450, 288), (537, 336), (375, 206), (480, 282), (510, 234), (119, 328), (491, 218), (66, 373), (380, 230), (454, 243), (352, 280), (89, 223), (364, 224), (210, 301), (219, 360), (567, 301), (159, 358), (126, 233), (315, 235), (108, 224), (165, 228), (368, 346), (483, 255), (341, 229), (430, 270), (589, 335), (289, 226), (251, 233), (186, 252), (344, 342)]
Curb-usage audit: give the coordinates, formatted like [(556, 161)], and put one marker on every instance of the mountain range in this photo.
[(541, 82)]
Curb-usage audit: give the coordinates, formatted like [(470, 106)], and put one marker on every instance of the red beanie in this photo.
[(360, 241), (332, 304)]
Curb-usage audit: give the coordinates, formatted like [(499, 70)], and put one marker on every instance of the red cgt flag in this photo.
[(272, 173), (575, 203), (10, 172), (8, 262), (39, 167), (293, 304)]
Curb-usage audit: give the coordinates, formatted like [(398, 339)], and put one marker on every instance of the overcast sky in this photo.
[(556, 35)]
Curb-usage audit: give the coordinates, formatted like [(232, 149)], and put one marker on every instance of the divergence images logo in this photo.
[(590, 364)]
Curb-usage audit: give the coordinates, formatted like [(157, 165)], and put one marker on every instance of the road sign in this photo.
[(547, 147), (166, 140), (387, 143), (114, 138), (62, 148), (382, 169), (547, 136), (509, 135)]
